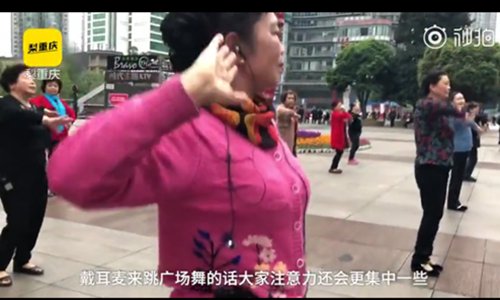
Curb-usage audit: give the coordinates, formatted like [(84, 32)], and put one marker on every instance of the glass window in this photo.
[(295, 51), (158, 47), (352, 32), (156, 21), (314, 65), (156, 36), (159, 14), (98, 23), (309, 50)]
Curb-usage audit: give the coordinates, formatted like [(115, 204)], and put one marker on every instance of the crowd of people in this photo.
[(447, 135), (207, 146)]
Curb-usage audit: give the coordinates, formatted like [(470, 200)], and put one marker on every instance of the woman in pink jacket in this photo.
[(204, 148)]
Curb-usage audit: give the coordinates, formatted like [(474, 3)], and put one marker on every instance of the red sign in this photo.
[(117, 98)]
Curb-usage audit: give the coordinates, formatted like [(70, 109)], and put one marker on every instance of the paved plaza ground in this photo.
[(363, 220)]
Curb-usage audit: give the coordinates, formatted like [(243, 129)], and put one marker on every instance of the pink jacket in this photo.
[(159, 148)]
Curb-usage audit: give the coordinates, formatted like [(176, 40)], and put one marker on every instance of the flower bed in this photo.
[(308, 134), (311, 142)]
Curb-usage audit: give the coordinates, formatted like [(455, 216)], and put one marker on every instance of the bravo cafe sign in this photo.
[(133, 68), (141, 63), (117, 98)]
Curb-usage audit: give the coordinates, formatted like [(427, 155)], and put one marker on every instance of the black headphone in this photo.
[(230, 188), (238, 51)]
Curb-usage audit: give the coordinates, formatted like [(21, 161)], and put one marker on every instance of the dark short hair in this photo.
[(47, 81), (10, 75), (187, 34), (472, 105), (285, 95), (453, 94), (351, 106), (433, 78), (335, 103)]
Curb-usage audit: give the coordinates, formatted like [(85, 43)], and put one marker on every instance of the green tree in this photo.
[(89, 80), (365, 66), (474, 71), (67, 83), (73, 69), (409, 37), (411, 27)]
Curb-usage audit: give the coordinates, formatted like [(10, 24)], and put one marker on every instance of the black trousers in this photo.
[(471, 162), (354, 137), (24, 199), (457, 177), (336, 159), (431, 181), (52, 147)]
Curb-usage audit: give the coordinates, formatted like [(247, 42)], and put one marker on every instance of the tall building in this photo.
[(393, 16), (485, 21), (24, 20), (124, 32), (314, 41)]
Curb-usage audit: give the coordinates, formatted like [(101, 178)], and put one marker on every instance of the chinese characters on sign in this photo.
[(45, 74), (117, 98), (123, 76), (42, 47), (260, 278), (133, 68)]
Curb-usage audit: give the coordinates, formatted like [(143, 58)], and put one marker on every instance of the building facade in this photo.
[(23, 20), (485, 21), (314, 41), (132, 32)]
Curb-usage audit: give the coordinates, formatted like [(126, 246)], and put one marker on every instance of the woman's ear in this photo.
[(233, 42)]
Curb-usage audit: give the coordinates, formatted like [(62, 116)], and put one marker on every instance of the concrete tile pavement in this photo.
[(363, 220)]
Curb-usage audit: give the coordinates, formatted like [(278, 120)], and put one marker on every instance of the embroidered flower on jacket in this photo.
[(260, 240), (278, 295), (263, 267), (267, 255), (209, 251), (280, 267)]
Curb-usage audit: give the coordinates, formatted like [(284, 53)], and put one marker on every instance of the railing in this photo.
[(315, 40), (314, 25), (316, 54), (82, 100)]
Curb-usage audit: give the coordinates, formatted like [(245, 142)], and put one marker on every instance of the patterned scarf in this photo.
[(252, 120)]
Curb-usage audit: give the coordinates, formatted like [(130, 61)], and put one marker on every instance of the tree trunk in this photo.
[(363, 98)]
